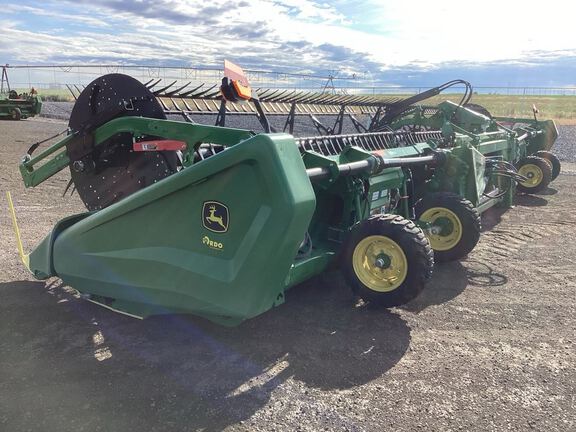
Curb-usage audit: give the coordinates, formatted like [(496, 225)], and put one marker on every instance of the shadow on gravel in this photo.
[(530, 201), (492, 217), (451, 279), (481, 274), (75, 363), (448, 281), (548, 191)]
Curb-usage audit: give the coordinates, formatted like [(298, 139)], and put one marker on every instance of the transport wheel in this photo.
[(15, 114), (553, 159), (538, 171), (451, 223), (387, 260)]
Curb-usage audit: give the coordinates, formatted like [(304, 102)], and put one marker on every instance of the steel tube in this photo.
[(374, 165)]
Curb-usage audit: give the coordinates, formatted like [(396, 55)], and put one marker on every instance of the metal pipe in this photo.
[(436, 158), (374, 165)]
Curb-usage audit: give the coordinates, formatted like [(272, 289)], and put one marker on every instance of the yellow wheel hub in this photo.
[(533, 173), (380, 263), (445, 228)]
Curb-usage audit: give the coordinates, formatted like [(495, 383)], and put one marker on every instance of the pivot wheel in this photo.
[(553, 159), (538, 173), (387, 260), (451, 223)]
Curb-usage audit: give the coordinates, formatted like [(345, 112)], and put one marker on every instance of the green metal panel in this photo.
[(380, 185), (493, 146), (305, 268), (467, 119), (39, 168), (41, 257), (152, 252), (476, 181)]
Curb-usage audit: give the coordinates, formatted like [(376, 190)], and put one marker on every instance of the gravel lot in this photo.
[(489, 345), (565, 147)]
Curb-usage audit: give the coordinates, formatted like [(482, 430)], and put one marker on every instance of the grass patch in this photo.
[(560, 108)]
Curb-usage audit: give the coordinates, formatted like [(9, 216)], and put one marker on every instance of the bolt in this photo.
[(78, 166)]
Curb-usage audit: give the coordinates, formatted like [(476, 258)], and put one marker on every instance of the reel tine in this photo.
[(199, 95), (190, 92), (154, 84), (163, 89), (270, 95), (173, 92)]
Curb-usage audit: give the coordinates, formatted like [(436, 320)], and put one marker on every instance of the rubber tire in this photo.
[(414, 244), (553, 159), (466, 213), (15, 114), (544, 165)]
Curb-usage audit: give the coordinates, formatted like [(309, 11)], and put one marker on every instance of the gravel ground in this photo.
[(565, 146), (488, 346)]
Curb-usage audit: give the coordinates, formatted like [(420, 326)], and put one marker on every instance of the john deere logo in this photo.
[(215, 217)]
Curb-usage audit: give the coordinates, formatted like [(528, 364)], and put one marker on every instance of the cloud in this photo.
[(382, 37), (169, 11), (49, 13)]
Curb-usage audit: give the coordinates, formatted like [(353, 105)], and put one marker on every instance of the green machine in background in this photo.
[(16, 106), (220, 222), (524, 143)]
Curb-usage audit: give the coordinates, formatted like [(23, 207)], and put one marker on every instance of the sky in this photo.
[(389, 42)]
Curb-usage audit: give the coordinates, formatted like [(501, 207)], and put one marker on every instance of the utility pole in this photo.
[(5, 79)]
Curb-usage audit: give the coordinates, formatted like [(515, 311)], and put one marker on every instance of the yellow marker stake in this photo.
[(24, 257)]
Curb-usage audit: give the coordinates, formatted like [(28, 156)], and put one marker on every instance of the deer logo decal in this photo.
[(215, 217)]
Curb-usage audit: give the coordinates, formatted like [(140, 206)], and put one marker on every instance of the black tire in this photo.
[(553, 159), (479, 109), (541, 173), (407, 237), (450, 206), (15, 114)]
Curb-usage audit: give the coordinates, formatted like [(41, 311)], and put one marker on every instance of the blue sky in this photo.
[(508, 43)]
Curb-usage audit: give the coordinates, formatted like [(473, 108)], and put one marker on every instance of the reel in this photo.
[(106, 173)]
